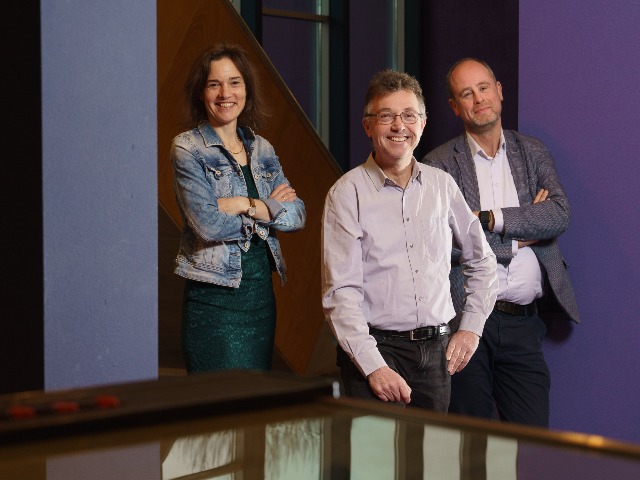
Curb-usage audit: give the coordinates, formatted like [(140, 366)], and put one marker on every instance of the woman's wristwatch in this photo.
[(252, 207)]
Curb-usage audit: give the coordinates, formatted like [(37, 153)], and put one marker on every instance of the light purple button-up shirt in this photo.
[(386, 256)]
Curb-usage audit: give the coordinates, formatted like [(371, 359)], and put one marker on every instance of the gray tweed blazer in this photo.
[(532, 168)]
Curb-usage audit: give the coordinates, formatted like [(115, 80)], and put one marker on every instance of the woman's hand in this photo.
[(240, 206), (283, 193)]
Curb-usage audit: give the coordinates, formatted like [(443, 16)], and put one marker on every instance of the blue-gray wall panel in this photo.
[(99, 191)]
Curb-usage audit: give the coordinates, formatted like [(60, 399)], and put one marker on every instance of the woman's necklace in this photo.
[(242, 148)]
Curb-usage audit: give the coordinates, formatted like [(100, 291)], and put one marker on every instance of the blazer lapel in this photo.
[(518, 164), (468, 177)]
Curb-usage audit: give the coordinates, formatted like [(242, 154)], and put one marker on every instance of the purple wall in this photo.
[(579, 73)]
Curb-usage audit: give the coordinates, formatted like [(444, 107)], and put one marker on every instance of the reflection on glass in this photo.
[(502, 456), (307, 442), (288, 450), (441, 453), (293, 450), (380, 448), (200, 453), (373, 434)]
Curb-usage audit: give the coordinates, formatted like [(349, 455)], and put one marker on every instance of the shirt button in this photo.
[(246, 244), (256, 176), (407, 219), (411, 246)]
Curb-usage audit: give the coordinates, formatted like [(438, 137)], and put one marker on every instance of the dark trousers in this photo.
[(507, 370), (422, 364)]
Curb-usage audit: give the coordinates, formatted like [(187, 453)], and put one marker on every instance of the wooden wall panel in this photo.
[(185, 28)]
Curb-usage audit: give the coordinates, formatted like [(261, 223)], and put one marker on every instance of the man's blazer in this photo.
[(532, 168)]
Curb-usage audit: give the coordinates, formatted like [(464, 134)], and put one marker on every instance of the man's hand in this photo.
[(389, 386), (540, 197), (526, 243), (462, 346)]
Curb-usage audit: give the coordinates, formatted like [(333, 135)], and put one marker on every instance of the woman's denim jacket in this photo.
[(211, 240)]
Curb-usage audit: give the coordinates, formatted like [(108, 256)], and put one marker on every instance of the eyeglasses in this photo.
[(387, 118)]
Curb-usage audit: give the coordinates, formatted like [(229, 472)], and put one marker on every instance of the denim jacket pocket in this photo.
[(220, 179), (267, 177)]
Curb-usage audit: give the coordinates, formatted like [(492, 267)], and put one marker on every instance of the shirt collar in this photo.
[(477, 149), (379, 179)]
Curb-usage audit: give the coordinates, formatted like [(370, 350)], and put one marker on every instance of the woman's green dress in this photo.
[(226, 327)]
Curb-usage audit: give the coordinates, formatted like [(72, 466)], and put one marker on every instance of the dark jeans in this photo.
[(508, 369), (422, 364)]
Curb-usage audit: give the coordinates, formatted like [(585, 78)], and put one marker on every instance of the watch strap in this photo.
[(485, 219)]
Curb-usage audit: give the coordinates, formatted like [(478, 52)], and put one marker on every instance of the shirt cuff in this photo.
[(473, 322), (498, 220), (369, 361)]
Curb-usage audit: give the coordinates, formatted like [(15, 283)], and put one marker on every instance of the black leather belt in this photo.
[(515, 309), (422, 333)]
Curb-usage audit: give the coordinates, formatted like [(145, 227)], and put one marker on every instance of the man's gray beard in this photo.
[(485, 127)]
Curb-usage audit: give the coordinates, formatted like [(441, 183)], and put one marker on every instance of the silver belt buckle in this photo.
[(413, 337), (443, 330)]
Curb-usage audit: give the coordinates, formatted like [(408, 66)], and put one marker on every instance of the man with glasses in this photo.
[(388, 227), (510, 181)]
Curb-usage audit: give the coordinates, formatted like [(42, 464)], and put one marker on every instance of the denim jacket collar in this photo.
[(211, 137)]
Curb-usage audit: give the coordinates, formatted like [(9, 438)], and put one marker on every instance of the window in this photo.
[(327, 56)]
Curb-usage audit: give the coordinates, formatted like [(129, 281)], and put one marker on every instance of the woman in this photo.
[(233, 197)]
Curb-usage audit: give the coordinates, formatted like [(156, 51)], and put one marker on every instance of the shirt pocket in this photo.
[(437, 238), (220, 178)]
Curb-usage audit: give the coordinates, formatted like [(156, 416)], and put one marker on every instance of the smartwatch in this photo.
[(485, 218), (252, 207)]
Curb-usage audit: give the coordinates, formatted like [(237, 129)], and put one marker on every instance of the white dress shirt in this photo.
[(521, 281)]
